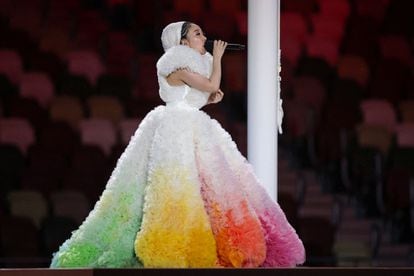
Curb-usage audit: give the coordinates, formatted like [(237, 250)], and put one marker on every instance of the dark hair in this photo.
[(184, 29)]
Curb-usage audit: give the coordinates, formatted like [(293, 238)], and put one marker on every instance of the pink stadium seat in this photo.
[(98, 132), (405, 135), (38, 86), (18, 132), (86, 63), (377, 112), (11, 65)]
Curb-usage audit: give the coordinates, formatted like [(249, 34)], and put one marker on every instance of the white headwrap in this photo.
[(171, 35)]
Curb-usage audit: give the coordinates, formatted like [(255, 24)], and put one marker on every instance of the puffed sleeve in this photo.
[(182, 57)]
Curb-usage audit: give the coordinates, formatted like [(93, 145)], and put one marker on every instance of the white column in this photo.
[(263, 90)]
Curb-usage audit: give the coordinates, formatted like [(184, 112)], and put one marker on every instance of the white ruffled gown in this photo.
[(182, 195)]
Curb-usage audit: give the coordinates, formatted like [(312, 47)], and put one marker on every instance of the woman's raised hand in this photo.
[(219, 47), (216, 97)]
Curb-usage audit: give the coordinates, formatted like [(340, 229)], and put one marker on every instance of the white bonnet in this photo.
[(171, 35)]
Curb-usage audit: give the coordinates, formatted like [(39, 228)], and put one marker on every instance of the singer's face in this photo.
[(195, 39)]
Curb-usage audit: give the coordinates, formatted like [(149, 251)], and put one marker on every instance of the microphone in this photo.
[(209, 45)]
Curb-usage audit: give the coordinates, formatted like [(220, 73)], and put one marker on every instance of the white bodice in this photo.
[(182, 95), (180, 57)]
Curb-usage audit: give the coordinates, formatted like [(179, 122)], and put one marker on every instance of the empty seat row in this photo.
[(99, 132)]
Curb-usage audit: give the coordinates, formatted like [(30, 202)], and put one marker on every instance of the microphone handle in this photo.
[(209, 45), (236, 47)]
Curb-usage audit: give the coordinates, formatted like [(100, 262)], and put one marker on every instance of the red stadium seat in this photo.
[(38, 86), (377, 112), (395, 46), (355, 68), (17, 132), (324, 48), (98, 132), (293, 25), (11, 65), (405, 135), (86, 63)]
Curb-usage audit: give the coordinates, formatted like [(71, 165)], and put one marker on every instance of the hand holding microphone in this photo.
[(209, 45), (218, 49)]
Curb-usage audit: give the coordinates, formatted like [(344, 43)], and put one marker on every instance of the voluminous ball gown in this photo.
[(182, 195)]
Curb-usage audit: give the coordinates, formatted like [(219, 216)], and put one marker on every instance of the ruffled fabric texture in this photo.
[(106, 237), (175, 229), (251, 229), (182, 195)]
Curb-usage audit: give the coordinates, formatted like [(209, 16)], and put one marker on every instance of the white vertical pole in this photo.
[(263, 90)]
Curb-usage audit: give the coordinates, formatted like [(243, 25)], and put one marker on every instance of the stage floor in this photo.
[(301, 271)]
